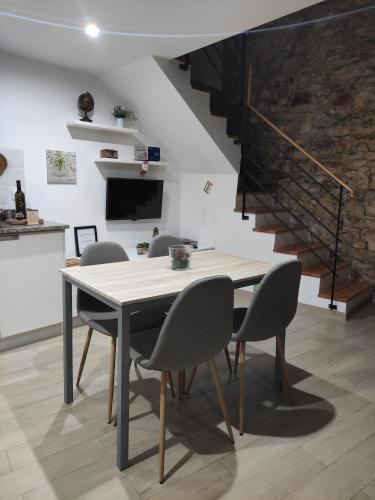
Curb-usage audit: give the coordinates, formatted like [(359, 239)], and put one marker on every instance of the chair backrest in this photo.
[(198, 326), (159, 246), (103, 252), (274, 304)]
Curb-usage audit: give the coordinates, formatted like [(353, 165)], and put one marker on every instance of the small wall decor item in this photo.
[(207, 187), (180, 257), (84, 236), (140, 152), (61, 167), (85, 105), (3, 164), (153, 153), (121, 113), (108, 153), (144, 169)]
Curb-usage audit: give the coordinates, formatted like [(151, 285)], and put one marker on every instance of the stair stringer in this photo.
[(199, 103)]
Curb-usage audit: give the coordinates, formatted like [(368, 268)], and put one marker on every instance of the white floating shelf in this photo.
[(120, 161), (101, 128)]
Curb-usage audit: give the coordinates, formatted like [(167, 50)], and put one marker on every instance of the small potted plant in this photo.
[(140, 249), (120, 113), (145, 247)]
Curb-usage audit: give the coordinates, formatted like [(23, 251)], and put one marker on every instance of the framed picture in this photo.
[(84, 236), (61, 167)]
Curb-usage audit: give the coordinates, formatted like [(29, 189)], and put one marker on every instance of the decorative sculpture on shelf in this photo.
[(144, 169), (85, 104)]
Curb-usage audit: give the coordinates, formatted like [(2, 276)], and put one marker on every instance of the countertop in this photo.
[(6, 229)]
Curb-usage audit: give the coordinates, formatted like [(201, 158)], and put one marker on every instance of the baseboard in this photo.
[(33, 336)]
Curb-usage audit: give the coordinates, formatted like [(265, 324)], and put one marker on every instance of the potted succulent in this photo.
[(140, 248), (120, 113), (145, 247)]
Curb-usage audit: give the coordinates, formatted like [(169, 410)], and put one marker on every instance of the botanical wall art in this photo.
[(61, 167)]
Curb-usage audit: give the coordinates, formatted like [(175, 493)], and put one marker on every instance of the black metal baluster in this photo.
[(332, 306)]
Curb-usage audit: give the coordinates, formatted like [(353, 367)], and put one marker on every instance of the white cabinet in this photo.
[(30, 282)]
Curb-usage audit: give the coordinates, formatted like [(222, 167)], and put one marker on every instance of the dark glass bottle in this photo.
[(19, 198)]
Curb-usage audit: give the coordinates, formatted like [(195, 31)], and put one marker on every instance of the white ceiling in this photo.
[(72, 48)]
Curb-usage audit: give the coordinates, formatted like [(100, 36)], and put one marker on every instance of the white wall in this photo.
[(36, 100), (210, 218), (166, 116)]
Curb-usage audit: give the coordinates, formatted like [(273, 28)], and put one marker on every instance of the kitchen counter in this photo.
[(9, 229)]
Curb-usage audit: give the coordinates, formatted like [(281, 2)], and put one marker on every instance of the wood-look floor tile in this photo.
[(321, 448), (344, 478)]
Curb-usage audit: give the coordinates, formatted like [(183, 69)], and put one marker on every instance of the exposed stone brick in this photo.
[(317, 84)]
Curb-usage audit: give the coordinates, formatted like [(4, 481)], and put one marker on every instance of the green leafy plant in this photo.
[(121, 111), (59, 161)]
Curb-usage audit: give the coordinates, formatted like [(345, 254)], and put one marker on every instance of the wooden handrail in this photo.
[(290, 140)]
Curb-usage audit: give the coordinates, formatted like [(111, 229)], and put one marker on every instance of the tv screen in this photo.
[(133, 199)]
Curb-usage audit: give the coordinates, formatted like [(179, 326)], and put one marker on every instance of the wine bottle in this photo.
[(19, 198)]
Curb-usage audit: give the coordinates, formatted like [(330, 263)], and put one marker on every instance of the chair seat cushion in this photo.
[(106, 321), (142, 345), (238, 317)]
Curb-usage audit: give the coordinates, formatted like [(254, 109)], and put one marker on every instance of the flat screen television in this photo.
[(133, 199)]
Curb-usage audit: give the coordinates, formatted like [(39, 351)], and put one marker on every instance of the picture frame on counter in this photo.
[(83, 237)]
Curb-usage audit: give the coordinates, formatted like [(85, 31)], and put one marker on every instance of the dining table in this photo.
[(132, 286)]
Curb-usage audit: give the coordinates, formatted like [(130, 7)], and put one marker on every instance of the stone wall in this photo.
[(317, 83)]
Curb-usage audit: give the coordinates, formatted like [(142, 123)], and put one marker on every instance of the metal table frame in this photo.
[(124, 312)]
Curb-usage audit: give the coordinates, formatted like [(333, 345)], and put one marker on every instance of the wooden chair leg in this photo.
[(179, 384), (84, 355), (237, 355), (242, 349), (229, 363), (219, 390), (194, 371), (183, 381), (284, 370), (170, 382), (163, 420), (112, 364)]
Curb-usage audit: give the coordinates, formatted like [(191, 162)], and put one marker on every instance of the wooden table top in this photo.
[(138, 281)]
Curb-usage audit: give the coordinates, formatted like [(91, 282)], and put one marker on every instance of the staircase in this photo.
[(292, 195)]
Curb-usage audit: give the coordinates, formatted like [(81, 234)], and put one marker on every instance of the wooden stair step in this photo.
[(298, 248), (277, 229), (344, 292), (219, 114), (260, 210), (319, 270)]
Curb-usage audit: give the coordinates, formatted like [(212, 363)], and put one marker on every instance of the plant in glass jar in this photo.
[(180, 257)]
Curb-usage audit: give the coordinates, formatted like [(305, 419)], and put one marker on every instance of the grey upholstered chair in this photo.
[(160, 244), (198, 326), (159, 247), (102, 318), (271, 310)]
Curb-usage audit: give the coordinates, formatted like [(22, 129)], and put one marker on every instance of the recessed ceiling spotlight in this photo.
[(92, 30)]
